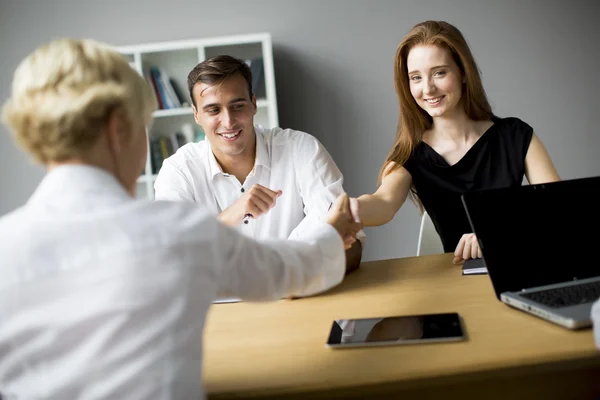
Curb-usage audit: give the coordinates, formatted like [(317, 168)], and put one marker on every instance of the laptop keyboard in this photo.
[(566, 296)]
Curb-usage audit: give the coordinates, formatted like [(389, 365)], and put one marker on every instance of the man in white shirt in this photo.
[(103, 296), (267, 183)]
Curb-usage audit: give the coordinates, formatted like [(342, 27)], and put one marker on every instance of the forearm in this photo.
[(374, 211), (353, 254), (272, 269), (228, 218)]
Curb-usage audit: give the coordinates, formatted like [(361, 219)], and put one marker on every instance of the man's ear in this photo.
[(253, 99), (116, 131), (194, 103), (195, 114)]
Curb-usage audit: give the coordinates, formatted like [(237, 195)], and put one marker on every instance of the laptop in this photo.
[(541, 246)]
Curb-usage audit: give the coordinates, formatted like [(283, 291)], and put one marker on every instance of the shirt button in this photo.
[(246, 222), (243, 190)]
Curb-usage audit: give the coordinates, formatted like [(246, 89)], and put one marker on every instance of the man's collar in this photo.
[(261, 157)]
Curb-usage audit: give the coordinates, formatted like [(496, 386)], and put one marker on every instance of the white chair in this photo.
[(429, 240)]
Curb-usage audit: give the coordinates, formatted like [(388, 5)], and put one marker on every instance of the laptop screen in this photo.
[(537, 235)]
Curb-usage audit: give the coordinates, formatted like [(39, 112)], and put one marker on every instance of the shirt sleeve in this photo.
[(320, 182), (275, 269), (171, 184)]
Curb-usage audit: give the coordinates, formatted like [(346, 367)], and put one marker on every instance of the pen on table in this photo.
[(247, 218)]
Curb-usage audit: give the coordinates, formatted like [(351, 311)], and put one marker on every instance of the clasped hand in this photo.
[(343, 216)]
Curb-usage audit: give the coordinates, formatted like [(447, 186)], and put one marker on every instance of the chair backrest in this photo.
[(429, 240)]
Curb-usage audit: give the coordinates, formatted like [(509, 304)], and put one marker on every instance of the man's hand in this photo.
[(468, 247), (257, 200), (341, 217)]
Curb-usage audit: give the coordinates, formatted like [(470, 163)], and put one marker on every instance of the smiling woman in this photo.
[(448, 140)]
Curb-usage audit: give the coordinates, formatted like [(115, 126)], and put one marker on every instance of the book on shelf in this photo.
[(169, 91), (154, 85), (474, 266), (164, 88), (180, 95), (162, 147), (258, 76)]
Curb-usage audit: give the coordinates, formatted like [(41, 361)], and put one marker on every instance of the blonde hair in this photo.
[(63, 94)]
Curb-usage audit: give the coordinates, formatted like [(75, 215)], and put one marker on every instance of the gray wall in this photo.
[(333, 58)]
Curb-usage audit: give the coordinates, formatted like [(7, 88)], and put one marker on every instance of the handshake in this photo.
[(344, 217)]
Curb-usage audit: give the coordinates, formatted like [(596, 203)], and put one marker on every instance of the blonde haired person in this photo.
[(448, 139), (103, 296)]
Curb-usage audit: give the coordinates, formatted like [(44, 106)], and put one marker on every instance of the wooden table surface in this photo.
[(276, 350)]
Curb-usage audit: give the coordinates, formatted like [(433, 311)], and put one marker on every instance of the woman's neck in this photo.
[(458, 128)]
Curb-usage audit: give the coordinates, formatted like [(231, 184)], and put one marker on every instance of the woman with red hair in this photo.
[(448, 139)]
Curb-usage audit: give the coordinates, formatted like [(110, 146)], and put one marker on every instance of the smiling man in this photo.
[(267, 183)]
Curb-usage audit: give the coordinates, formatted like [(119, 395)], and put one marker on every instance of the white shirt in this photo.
[(104, 297), (288, 160)]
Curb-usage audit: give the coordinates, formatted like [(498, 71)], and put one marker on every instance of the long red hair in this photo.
[(413, 121)]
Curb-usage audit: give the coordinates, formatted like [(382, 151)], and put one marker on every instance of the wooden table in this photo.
[(276, 350)]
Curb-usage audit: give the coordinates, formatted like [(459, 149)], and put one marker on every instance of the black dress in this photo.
[(496, 160)]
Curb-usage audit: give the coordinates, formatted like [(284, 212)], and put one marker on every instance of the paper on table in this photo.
[(227, 300), (475, 271), (474, 267)]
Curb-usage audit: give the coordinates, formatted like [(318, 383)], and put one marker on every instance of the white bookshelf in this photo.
[(178, 58)]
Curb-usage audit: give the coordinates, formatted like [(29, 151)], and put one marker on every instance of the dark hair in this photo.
[(216, 70)]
